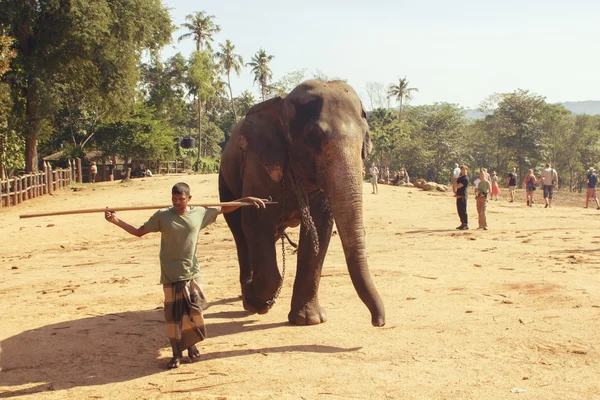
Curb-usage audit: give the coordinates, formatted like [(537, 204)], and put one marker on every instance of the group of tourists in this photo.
[(487, 186), (375, 178)]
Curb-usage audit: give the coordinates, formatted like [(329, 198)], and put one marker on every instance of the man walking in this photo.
[(179, 268), (461, 197), (592, 181), (549, 181), (511, 182)]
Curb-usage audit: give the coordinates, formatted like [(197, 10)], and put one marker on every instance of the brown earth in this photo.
[(511, 312)]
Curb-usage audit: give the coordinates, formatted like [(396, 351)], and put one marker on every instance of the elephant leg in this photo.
[(259, 231), (305, 307), (234, 221)]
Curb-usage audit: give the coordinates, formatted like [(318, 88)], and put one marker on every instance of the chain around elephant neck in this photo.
[(280, 223)]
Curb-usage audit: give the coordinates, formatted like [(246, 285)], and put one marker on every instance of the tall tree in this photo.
[(260, 68), (201, 77), (230, 61), (401, 92), (202, 28), (520, 116), (95, 45)]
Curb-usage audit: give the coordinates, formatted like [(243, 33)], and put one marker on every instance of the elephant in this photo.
[(306, 152)]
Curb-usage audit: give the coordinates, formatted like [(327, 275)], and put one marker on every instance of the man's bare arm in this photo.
[(112, 218), (258, 203)]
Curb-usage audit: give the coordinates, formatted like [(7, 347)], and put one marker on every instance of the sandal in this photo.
[(174, 363), (193, 353)]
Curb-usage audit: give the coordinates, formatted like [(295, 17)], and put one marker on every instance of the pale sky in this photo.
[(458, 51)]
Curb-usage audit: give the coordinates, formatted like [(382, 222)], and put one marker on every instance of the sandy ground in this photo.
[(512, 312)]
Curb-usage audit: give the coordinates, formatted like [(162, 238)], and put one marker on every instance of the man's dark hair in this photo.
[(181, 188)]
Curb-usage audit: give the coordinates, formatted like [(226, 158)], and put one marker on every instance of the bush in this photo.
[(207, 165)]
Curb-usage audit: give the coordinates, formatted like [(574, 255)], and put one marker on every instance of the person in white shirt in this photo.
[(455, 175), (374, 175), (549, 179)]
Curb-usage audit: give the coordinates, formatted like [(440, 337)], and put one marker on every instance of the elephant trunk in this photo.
[(345, 196)]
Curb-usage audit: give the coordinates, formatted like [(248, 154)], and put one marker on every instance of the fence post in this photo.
[(15, 191), (23, 181), (49, 179), (26, 194), (45, 179)]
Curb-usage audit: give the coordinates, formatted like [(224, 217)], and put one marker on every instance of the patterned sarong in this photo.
[(184, 302)]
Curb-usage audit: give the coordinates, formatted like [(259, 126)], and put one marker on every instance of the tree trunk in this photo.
[(31, 131), (231, 97), (199, 130)]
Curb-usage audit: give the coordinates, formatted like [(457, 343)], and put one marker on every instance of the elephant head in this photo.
[(319, 133), (327, 133)]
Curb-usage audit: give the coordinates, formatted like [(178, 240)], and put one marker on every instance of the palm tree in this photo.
[(202, 28), (400, 92), (230, 61), (246, 101), (260, 69)]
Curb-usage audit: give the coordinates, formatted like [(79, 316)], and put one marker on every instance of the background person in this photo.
[(374, 174), (529, 184), (592, 182), (483, 188), (111, 170), (94, 171), (549, 179), (495, 186), (455, 176), (461, 197), (511, 182)]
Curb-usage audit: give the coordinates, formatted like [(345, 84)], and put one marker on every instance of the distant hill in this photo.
[(576, 107), (583, 107)]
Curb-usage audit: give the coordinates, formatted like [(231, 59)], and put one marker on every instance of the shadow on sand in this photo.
[(110, 348)]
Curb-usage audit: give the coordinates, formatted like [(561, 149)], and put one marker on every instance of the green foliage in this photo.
[(79, 52), (140, 136), (12, 155), (286, 84), (207, 165)]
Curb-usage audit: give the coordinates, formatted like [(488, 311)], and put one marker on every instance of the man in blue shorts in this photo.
[(549, 181)]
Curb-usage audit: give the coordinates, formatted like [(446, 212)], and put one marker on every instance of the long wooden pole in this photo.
[(134, 208)]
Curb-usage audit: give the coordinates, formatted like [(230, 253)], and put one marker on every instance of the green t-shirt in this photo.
[(483, 187), (179, 239)]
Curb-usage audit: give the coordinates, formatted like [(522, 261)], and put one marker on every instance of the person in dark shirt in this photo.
[(592, 181), (461, 197), (511, 182)]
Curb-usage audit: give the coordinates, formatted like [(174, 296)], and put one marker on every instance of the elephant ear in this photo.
[(262, 133), (367, 145)]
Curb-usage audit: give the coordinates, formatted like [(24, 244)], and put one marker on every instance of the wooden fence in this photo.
[(170, 167), (18, 189)]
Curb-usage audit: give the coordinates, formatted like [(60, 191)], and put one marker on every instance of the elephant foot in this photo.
[(307, 316), (253, 304)]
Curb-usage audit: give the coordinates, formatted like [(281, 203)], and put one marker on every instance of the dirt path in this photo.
[(470, 315)]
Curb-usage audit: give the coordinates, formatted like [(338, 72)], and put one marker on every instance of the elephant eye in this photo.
[(313, 137)]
